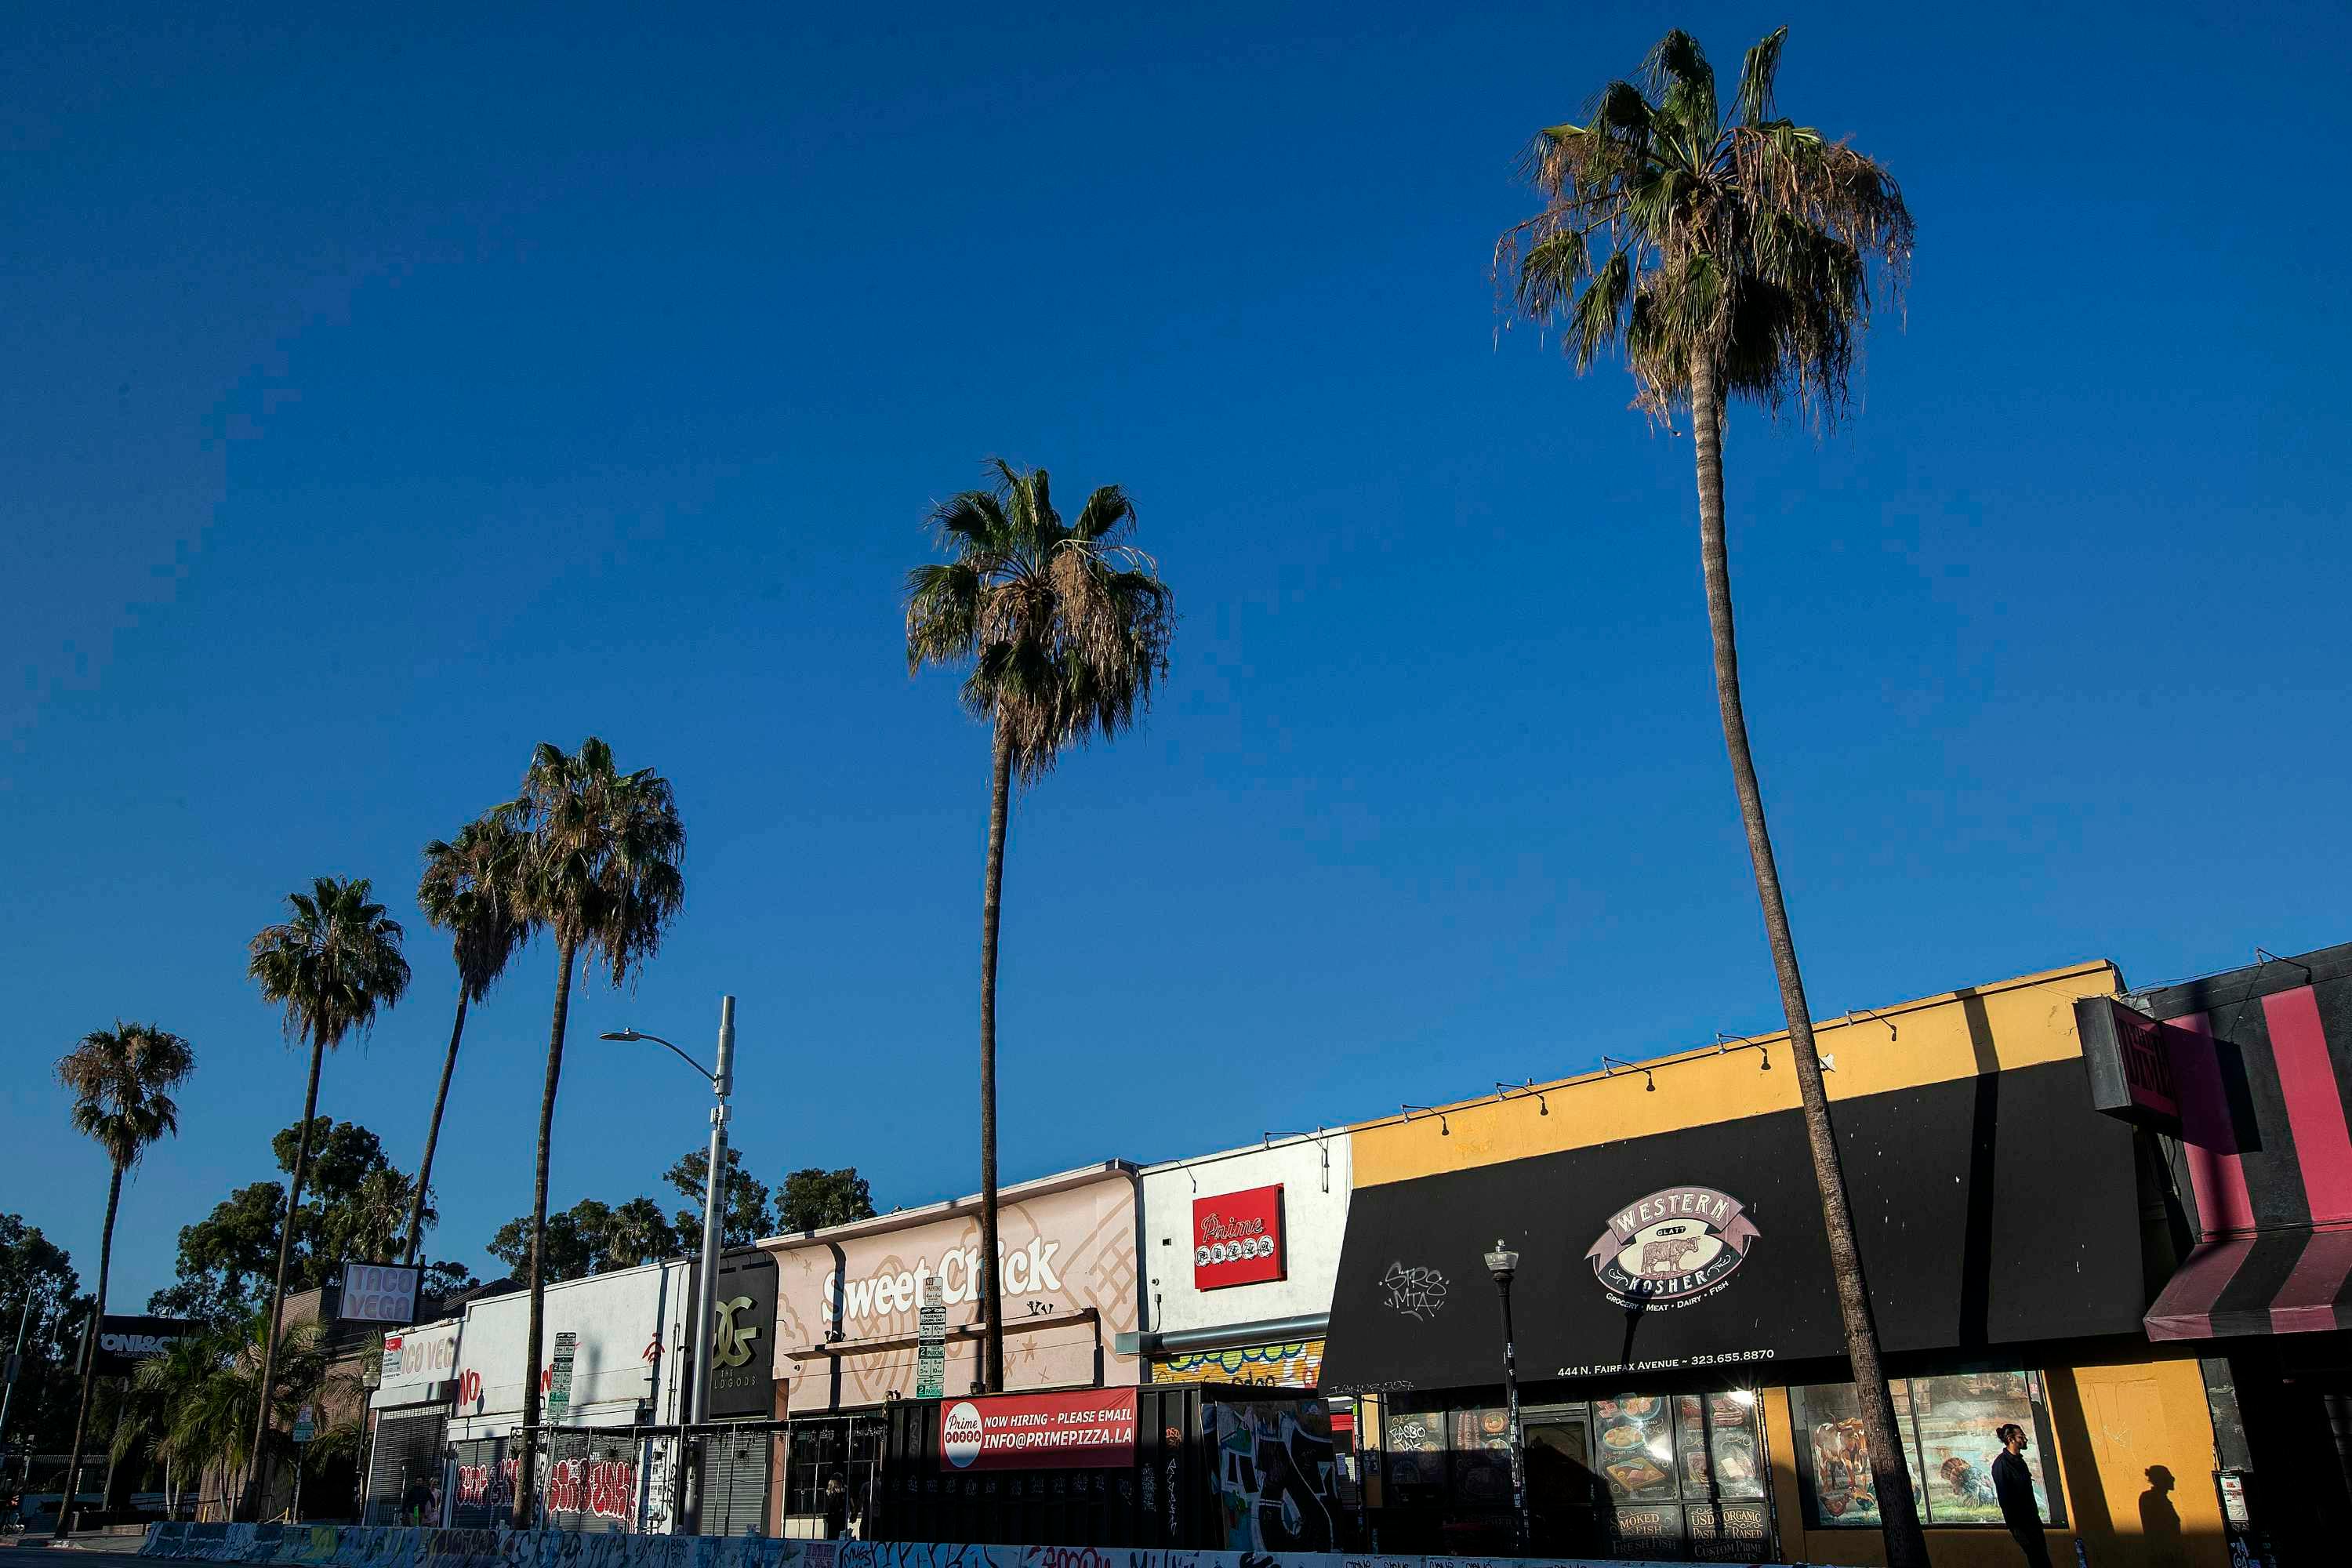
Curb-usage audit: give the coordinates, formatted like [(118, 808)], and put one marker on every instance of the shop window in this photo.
[(1415, 1446), (844, 1446), (1481, 1441), (1946, 1425)]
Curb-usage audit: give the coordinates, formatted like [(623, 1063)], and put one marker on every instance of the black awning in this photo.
[(1997, 1210)]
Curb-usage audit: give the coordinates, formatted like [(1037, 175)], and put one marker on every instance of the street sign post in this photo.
[(559, 1381), (306, 1426), (931, 1341)]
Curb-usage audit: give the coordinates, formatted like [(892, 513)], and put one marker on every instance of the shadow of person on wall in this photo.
[(2160, 1521)]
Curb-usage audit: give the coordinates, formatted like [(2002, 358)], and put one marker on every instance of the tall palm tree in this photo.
[(1065, 627), (1737, 252), (121, 1082), (466, 891), (600, 872), (331, 967)]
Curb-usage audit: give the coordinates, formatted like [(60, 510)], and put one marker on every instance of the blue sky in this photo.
[(388, 393)]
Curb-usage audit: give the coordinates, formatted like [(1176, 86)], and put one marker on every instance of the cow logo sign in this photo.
[(1671, 1249)]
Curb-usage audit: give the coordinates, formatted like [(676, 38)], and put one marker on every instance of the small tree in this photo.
[(812, 1199)]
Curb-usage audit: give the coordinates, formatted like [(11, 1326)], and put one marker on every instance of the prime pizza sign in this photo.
[(1237, 1239), (1089, 1430)]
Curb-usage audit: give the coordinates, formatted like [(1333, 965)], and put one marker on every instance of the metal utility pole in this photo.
[(698, 1400), (723, 1083)]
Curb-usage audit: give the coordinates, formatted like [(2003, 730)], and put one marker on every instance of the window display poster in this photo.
[(1956, 1419), (1946, 1425), (1634, 1438), (1723, 1426), (1828, 1419)]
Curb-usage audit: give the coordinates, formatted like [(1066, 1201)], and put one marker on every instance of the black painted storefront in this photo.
[(1998, 1218)]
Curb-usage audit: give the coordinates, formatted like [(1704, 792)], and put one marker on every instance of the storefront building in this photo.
[(847, 1337), (2246, 1078), (1679, 1344), (1241, 1251), (410, 1405)]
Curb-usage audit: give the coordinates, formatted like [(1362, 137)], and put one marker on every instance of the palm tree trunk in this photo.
[(433, 1135), (258, 1480), (89, 1359), (525, 1462), (992, 1304), (114, 1446), (1897, 1510)]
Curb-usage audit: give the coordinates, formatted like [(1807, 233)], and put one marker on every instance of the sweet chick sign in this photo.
[(1093, 1429)]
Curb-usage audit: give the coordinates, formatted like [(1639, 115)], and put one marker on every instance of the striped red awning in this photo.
[(2279, 1282)]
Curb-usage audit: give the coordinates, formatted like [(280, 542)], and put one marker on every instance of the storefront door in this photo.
[(1563, 1494)]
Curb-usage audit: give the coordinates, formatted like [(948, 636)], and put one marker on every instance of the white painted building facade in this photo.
[(1241, 1251)]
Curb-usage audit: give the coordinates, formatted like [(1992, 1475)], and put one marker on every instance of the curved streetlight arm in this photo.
[(640, 1035)]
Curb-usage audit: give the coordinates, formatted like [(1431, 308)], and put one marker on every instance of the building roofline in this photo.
[(1743, 1042), (902, 1219)]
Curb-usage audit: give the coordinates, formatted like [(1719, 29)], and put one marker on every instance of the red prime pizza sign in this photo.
[(1093, 1429), (1237, 1239)]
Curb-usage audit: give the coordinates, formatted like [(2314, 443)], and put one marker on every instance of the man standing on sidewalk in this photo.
[(2013, 1484)]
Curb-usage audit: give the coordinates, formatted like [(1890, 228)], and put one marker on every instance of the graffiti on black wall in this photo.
[(1275, 1468)]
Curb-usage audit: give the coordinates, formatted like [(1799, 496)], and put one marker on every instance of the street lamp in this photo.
[(1503, 1263), (723, 1083)]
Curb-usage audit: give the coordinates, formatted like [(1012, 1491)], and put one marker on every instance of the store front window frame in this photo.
[(2044, 1456), (1466, 1442)]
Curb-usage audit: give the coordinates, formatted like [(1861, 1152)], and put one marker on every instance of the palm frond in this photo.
[(1758, 249), (1757, 73), (121, 1080), (334, 967)]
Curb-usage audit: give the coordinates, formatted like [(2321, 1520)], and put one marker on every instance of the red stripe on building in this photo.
[(2307, 1302), (2323, 1146), (2215, 1170)]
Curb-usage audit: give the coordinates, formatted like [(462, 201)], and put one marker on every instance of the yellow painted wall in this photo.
[(2111, 1425), (2011, 1024)]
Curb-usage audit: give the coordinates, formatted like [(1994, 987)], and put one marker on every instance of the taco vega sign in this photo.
[(1672, 1248)]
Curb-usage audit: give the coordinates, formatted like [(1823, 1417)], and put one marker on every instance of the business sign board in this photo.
[(1237, 1239), (417, 1365), (743, 1336), (2128, 1059), (124, 1341), (378, 1293), (1093, 1429), (1702, 1248)]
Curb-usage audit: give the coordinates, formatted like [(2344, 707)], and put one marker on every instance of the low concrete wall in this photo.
[(402, 1546)]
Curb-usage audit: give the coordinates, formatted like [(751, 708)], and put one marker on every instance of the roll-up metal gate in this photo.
[(736, 1465), (593, 1480), (485, 1473), (408, 1449)]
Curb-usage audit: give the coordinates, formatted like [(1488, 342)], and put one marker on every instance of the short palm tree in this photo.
[(466, 891), (1725, 250), (182, 1430), (121, 1082), (331, 967), (1066, 628), (600, 872)]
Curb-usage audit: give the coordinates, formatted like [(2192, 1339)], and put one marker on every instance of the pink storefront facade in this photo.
[(847, 1299)]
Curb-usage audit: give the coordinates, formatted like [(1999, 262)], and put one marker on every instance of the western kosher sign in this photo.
[(1093, 1429)]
